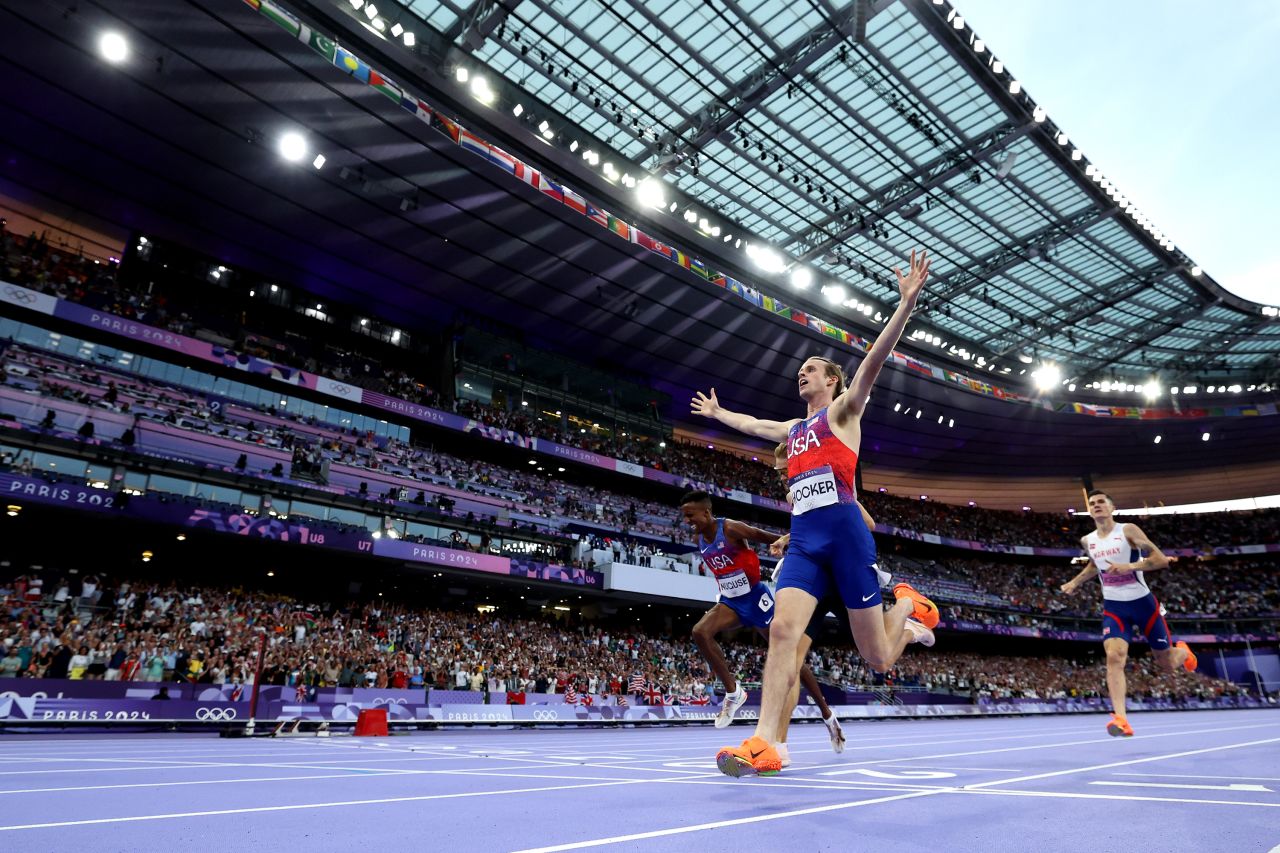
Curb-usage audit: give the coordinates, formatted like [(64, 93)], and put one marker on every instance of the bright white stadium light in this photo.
[(1195, 271), (835, 293), (396, 29), (573, 146), (480, 89), (1072, 387), (704, 226), (958, 22), (690, 216), (801, 277), (1062, 138), (651, 193), (543, 125), (113, 47), (997, 67), (371, 11), (1204, 436), (715, 231), (461, 74), (979, 46), (356, 4), (1014, 87), (1047, 376), (1130, 387), (766, 259), (1039, 114), (518, 110), (1157, 440), (1105, 386), (1076, 154), (409, 38), (1151, 390), (293, 147), (318, 162), (1189, 389)]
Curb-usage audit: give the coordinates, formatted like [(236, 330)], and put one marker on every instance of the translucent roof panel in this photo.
[(773, 119)]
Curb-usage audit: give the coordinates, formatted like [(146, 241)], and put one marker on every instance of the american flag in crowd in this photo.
[(300, 694), (622, 701), (637, 683), (237, 692), (571, 695)]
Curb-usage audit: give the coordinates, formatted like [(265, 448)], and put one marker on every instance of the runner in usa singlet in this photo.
[(737, 573), (830, 545)]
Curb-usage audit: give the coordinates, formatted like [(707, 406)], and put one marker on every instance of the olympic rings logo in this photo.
[(545, 716), (215, 714), (16, 295), (341, 389), (389, 701)]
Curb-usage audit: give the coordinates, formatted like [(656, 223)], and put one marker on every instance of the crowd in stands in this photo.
[(90, 627)]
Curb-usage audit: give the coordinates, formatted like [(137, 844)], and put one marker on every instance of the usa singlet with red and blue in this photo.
[(830, 544), (737, 573)]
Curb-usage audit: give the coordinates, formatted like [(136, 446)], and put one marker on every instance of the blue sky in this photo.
[(1178, 103)]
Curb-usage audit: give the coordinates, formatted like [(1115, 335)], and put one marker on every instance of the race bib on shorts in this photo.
[(734, 585), (813, 489)]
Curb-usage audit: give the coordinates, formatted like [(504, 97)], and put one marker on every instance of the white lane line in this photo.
[(679, 830), (203, 782), (1073, 795), (1102, 739), (329, 805), (1239, 786), (1122, 763), (1196, 776)]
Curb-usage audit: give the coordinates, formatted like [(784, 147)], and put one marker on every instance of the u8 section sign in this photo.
[(33, 709)]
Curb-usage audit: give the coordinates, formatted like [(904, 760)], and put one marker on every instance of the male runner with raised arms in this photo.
[(1128, 605), (830, 544), (744, 600)]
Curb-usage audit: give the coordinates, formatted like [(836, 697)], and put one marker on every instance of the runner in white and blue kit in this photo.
[(1113, 552)]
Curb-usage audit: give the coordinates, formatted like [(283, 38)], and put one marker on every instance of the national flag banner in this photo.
[(682, 259), (502, 159), (699, 267), (800, 317), (718, 278), (321, 44), (352, 64), (283, 19), (815, 323), (528, 174), (686, 699), (617, 226), (830, 331), (253, 4), (385, 85), (597, 215), (550, 188), (473, 143), (622, 701), (236, 693), (300, 694), (636, 684), (447, 125), (575, 201), (571, 695), (669, 699), (701, 699), (588, 700), (652, 695)]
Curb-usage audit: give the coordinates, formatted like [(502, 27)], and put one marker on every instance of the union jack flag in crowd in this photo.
[(700, 699), (652, 695)]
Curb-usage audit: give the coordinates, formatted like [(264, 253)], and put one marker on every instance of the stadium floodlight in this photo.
[(1195, 271), (461, 74), (1062, 138), (517, 110), (835, 293), (318, 162), (293, 147), (480, 89), (1157, 440), (356, 4), (979, 46), (409, 38), (1047, 376), (958, 22), (1151, 389), (1014, 87), (651, 193), (396, 29), (997, 67), (766, 259), (1039, 114), (1204, 436), (113, 47), (801, 277), (371, 11)]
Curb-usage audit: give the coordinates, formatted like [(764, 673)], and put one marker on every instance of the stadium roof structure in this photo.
[(403, 221), (839, 134)]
